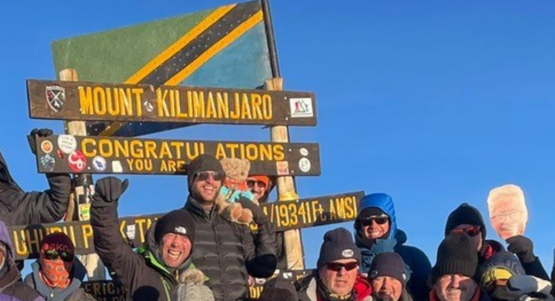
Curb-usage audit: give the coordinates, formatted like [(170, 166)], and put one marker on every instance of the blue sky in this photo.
[(433, 102)]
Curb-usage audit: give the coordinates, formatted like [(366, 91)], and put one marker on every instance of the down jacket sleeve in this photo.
[(22, 208)]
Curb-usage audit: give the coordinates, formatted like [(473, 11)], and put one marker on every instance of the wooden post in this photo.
[(79, 206), (286, 185)]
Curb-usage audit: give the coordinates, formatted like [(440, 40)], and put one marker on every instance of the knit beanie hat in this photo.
[(388, 264), (338, 244), (502, 265), (58, 241), (177, 221), (279, 289), (201, 163), (465, 214), (456, 255)]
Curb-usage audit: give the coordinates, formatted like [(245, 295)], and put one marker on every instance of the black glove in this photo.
[(257, 215), (523, 247), (31, 138), (262, 266), (109, 190)]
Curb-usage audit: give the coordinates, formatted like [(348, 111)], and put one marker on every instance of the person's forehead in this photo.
[(173, 234), (389, 278), (347, 260), (465, 226)]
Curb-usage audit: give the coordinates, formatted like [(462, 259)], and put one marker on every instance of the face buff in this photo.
[(55, 272)]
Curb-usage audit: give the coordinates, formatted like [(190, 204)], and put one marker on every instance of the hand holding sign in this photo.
[(507, 211)]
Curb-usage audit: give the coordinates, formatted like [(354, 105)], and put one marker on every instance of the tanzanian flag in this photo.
[(226, 47)]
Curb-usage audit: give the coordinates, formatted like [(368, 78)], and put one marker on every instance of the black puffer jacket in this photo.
[(226, 252), (22, 208), (142, 275)]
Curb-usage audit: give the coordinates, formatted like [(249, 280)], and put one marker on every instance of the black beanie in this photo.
[(278, 289), (338, 244), (388, 264), (456, 255), (465, 214), (177, 221), (201, 163)]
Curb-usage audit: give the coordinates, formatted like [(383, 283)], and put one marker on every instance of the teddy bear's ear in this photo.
[(247, 165)]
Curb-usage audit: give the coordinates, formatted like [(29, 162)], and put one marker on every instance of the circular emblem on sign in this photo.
[(46, 146), (77, 161), (304, 164), (303, 151), (48, 162), (348, 253), (99, 163), (67, 143)]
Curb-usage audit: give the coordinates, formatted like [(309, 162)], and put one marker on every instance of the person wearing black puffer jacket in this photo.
[(152, 272), (18, 207), (225, 251)]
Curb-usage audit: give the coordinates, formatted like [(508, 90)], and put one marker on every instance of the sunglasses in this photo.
[(471, 231), (204, 175), (54, 255), (336, 266), (260, 184), (379, 219)]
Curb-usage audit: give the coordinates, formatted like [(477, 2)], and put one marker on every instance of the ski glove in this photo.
[(523, 247), (258, 216), (31, 138), (109, 190)]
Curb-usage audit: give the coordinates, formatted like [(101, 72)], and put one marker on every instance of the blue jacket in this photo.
[(418, 264)]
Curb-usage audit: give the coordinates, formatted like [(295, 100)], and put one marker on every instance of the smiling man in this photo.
[(151, 272), (226, 252), (337, 277)]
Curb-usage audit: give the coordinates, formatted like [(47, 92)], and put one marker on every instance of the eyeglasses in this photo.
[(204, 175), (379, 219), (513, 215), (260, 184), (336, 266), (53, 255), (471, 231)]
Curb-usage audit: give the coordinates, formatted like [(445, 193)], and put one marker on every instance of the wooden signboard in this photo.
[(89, 101), (312, 212), (26, 239), (112, 155), (304, 213), (111, 291)]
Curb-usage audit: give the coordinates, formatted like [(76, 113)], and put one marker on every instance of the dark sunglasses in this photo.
[(336, 266), (204, 175), (471, 231), (380, 220), (53, 255), (260, 184)]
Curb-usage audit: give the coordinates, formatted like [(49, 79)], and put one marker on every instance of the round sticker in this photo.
[(48, 162), (77, 161), (348, 253), (99, 163), (46, 146), (303, 151), (304, 164), (67, 143)]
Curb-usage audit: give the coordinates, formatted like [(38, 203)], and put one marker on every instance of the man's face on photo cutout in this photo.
[(508, 216)]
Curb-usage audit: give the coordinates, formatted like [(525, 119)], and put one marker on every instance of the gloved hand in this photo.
[(31, 138), (523, 247), (109, 190), (258, 216)]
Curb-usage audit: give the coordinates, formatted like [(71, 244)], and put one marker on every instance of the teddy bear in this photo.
[(235, 187)]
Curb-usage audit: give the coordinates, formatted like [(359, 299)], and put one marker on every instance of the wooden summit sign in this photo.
[(109, 155), (141, 102), (304, 213)]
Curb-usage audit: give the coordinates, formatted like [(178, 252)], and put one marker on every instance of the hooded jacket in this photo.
[(226, 252), (11, 289), (419, 266), (141, 274), (74, 292), (22, 208)]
